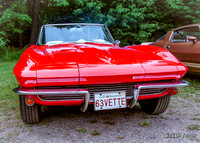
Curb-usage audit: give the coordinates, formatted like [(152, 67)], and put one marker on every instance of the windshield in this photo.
[(57, 34)]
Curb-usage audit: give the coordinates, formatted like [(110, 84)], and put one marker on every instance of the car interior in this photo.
[(181, 34)]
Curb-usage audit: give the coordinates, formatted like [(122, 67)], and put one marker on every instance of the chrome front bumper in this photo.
[(138, 87), (86, 93), (36, 92)]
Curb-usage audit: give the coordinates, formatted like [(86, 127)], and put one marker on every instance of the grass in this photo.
[(46, 125), (191, 92), (194, 118), (11, 134), (10, 54), (20, 126), (8, 99), (194, 127), (29, 125), (6, 118), (163, 117), (83, 130), (17, 116), (171, 112), (146, 123), (95, 133), (196, 114), (31, 130)]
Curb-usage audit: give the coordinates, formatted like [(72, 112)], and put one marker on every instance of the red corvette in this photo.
[(79, 64)]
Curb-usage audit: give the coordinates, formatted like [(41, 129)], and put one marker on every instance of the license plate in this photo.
[(109, 100)]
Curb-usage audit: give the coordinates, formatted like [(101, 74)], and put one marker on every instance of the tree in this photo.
[(35, 21), (130, 21), (13, 21)]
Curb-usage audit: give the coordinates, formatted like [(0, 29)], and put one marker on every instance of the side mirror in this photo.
[(192, 38), (117, 42)]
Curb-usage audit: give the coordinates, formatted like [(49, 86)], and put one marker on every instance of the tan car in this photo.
[(184, 43)]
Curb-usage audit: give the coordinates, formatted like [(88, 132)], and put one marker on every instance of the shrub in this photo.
[(10, 54)]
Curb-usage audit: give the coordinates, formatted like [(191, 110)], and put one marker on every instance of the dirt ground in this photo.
[(180, 123)]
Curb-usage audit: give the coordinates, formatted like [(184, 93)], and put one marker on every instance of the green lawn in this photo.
[(191, 92), (9, 100)]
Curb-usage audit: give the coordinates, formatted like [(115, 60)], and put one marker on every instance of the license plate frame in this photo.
[(117, 100)]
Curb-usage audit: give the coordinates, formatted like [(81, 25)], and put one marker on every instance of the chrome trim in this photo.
[(163, 85), (133, 100), (38, 42), (48, 91), (91, 100), (189, 64), (110, 34), (171, 36), (129, 97), (154, 93), (85, 92), (95, 24), (138, 87), (56, 92), (128, 87), (86, 102), (58, 100)]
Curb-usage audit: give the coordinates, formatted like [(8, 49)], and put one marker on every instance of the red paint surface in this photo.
[(90, 63)]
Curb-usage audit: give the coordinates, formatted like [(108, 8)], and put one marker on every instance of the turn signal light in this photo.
[(174, 91), (30, 101)]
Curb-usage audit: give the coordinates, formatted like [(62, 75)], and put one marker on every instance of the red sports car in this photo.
[(78, 64)]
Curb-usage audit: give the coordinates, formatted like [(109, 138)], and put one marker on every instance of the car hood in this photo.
[(90, 63)]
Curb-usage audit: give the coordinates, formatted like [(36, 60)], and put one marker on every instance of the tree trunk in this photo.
[(35, 22), (29, 5), (20, 37)]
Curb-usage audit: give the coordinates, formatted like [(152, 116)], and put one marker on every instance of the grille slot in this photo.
[(60, 97), (109, 87), (152, 91)]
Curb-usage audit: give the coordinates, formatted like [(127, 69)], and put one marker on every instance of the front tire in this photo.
[(155, 106), (29, 114)]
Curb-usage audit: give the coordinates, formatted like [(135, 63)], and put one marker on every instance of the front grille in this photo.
[(60, 97), (151, 91), (128, 87)]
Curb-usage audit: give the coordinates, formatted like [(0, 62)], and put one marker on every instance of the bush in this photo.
[(10, 54)]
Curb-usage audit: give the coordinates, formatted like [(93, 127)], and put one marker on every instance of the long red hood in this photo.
[(78, 64)]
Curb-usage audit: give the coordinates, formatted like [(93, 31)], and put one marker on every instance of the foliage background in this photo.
[(130, 21)]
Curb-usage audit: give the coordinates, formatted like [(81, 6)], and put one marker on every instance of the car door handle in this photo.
[(168, 47)]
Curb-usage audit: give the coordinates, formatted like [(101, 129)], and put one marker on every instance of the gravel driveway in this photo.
[(180, 123)]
